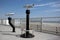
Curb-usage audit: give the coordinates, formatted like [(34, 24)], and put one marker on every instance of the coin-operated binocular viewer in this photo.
[(10, 21), (27, 34)]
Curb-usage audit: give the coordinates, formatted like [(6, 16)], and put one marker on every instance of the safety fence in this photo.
[(42, 24)]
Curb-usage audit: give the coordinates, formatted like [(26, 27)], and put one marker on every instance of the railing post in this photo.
[(5, 22), (20, 22), (1, 21), (56, 30), (37, 28), (41, 25)]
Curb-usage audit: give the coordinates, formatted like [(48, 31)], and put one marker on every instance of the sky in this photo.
[(42, 8)]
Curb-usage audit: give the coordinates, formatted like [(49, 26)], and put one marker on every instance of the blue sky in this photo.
[(42, 8)]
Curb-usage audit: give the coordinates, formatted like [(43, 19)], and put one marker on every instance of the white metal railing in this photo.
[(37, 24)]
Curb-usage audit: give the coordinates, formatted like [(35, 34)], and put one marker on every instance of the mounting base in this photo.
[(28, 36)]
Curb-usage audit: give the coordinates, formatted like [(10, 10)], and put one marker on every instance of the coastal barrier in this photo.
[(42, 24)]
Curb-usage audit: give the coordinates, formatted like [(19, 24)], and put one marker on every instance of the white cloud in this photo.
[(46, 4), (55, 5), (52, 10), (51, 4)]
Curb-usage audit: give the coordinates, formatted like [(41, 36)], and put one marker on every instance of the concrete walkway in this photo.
[(6, 34)]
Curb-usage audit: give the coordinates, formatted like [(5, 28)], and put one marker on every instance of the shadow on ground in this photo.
[(10, 33)]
